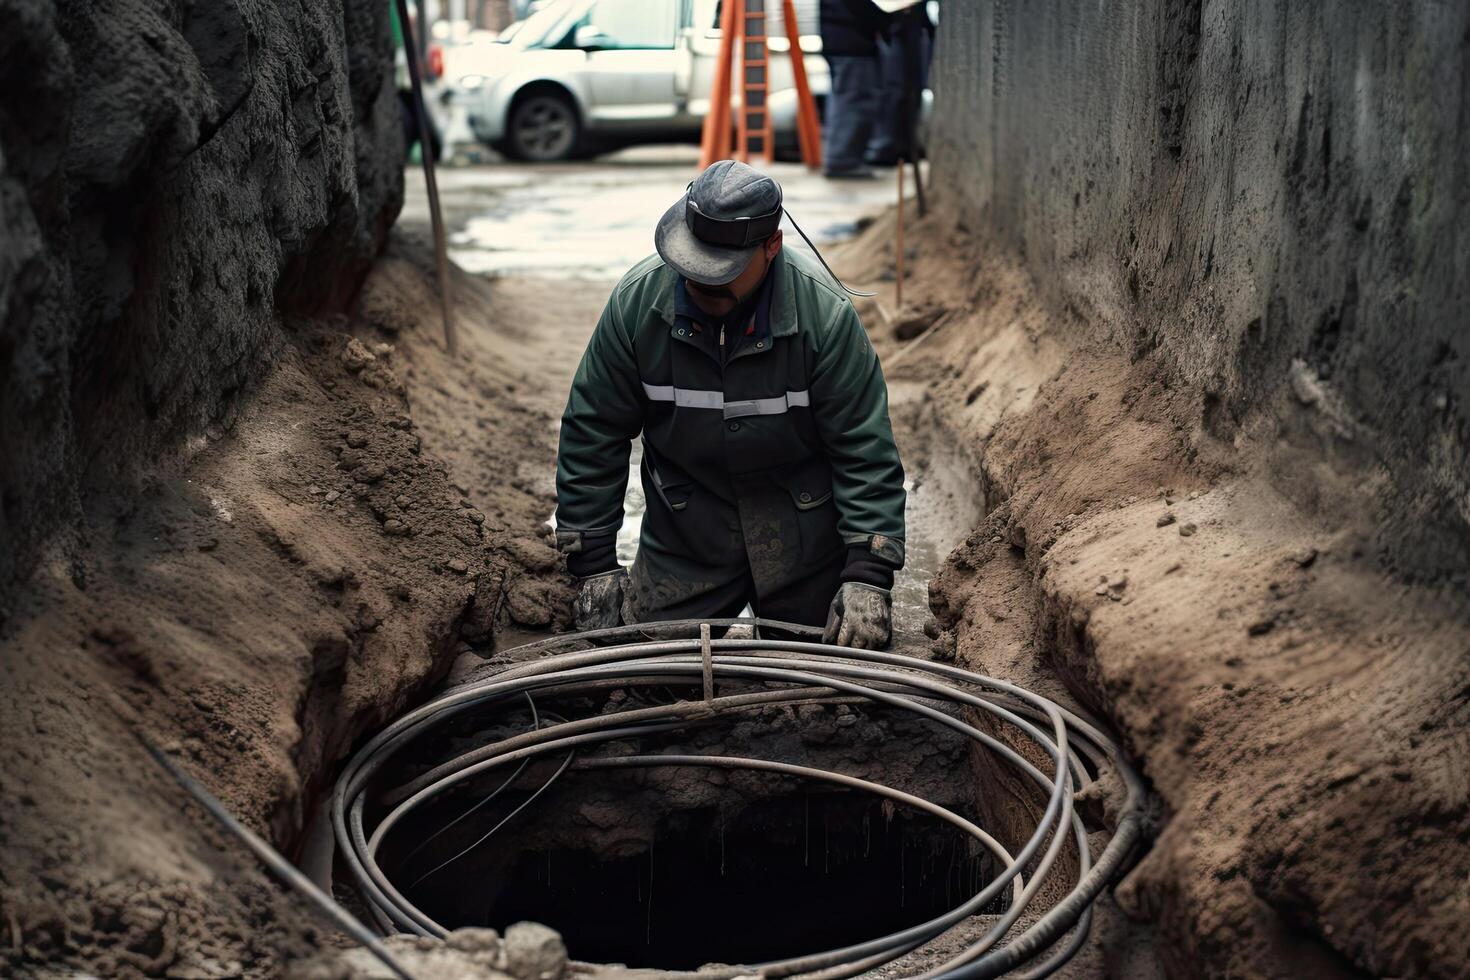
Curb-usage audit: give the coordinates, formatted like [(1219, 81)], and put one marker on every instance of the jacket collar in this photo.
[(783, 298)]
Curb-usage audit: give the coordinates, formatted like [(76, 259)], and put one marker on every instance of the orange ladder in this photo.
[(744, 23), (754, 131)]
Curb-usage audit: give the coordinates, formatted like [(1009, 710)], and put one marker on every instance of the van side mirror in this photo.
[(589, 37)]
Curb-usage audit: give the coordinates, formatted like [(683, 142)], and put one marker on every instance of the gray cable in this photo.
[(771, 672), (276, 862)]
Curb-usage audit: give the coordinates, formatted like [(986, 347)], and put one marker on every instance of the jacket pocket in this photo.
[(674, 489), (809, 486)]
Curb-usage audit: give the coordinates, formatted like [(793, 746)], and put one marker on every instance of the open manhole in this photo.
[(782, 806), (744, 882)]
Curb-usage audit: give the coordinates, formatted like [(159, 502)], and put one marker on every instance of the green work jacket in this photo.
[(774, 458)]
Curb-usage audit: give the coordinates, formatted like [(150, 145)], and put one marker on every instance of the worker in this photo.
[(769, 468), (851, 30)]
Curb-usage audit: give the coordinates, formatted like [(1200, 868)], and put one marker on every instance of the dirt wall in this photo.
[(1271, 198), (170, 175), (256, 612)]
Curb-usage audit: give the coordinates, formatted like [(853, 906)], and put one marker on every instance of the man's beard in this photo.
[(715, 292)]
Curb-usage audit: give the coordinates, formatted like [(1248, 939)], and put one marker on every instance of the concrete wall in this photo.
[(172, 175), (1274, 198)]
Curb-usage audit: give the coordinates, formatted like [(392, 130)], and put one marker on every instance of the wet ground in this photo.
[(594, 220), (587, 223)]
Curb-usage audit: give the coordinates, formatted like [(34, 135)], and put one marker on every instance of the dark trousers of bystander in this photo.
[(852, 108), (903, 60)]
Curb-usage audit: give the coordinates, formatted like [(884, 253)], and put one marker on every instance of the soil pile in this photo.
[(1192, 307), (257, 609), (1298, 707)]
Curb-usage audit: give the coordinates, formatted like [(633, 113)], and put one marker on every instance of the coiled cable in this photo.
[(768, 672)]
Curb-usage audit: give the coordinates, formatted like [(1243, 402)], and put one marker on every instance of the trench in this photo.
[(696, 867), (817, 807), (680, 866)]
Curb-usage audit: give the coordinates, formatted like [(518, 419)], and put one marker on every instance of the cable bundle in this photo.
[(768, 672)]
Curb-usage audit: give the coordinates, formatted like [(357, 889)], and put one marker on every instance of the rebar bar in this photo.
[(771, 672)]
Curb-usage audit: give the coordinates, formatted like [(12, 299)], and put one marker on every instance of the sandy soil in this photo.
[(1300, 714), (285, 587)]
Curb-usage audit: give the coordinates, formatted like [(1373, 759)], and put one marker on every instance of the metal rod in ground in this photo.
[(426, 150), (273, 859), (910, 58), (898, 259)]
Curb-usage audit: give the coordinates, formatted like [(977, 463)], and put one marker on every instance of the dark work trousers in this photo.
[(903, 61), (806, 602), (852, 106)]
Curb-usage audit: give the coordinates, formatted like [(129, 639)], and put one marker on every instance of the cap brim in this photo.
[(697, 261)]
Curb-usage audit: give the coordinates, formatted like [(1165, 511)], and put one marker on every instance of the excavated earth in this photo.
[(286, 588), (1299, 710), (376, 511)]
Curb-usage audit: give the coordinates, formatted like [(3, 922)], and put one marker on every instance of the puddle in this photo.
[(944, 504)]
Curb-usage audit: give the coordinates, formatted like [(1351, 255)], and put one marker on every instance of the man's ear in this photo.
[(773, 244)]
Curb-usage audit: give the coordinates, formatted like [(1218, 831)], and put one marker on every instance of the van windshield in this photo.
[(548, 26)]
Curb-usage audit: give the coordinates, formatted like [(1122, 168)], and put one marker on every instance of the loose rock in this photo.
[(534, 952)]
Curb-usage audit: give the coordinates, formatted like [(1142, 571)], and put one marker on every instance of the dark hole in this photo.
[(778, 876)]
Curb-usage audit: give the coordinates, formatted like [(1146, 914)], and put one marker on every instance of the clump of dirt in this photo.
[(1298, 709), (286, 586)]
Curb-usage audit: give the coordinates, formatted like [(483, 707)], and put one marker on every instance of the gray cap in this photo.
[(710, 235)]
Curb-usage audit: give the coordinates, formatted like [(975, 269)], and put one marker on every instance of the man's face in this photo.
[(721, 299)]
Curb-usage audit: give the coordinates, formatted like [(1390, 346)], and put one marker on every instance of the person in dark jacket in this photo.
[(769, 467), (851, 30)]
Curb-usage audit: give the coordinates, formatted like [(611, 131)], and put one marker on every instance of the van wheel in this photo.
[(543, 127)]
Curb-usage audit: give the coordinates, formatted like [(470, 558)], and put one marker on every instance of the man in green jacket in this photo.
[(769, 467)]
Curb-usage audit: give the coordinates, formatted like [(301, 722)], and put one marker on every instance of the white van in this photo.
[(580, 76)]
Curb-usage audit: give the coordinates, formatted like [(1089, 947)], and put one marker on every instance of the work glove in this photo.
[(861, 616), (599, 602)]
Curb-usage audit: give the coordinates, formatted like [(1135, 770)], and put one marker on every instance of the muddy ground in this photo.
[(376, 511)]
